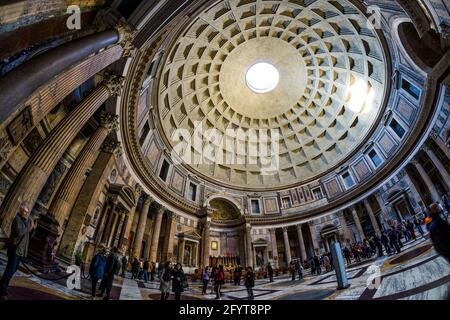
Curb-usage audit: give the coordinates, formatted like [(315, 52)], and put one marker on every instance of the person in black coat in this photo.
[(178, 281), (439, 232), (385, 241), (250, 283), (112, 264), (134, 268), (377, 242), (394, 239), (270, 272)]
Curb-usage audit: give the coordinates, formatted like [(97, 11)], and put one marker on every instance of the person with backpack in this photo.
[(250, 282), (97, 269), (179, 281), (112, 267), (18, 242), (165, 281), (205, 279), (219, 280), (124, 266)]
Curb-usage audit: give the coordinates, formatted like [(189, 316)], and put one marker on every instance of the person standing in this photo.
[(97, 269), (394, 239), (145, 267), (152, 271), (439, 232), (178, 281), (205, 279), (385, 242), (298, 268), (219, 280), (17, 244), (165, 281), (292, 270), (112, 265), (418, 224), (250, 283), (135, 268), (270, 272), (236, 276), (377, 242), (317, 265), (347, 255), (124, 266)]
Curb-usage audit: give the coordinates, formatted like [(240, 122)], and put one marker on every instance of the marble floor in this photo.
[(417, 273)]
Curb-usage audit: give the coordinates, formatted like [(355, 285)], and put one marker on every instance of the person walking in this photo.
[(236, 276), (141, 269), (145, 268), (410, 227), (165, 281), (418, 225), (326, 263), (219, 280), (270, 272), (17, 246), (111, 267), (179, 281), (124, 266), (205, 279), (250, 282), (97, 269)]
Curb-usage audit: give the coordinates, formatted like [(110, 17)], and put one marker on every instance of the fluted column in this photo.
[(181, 250), (249, 251), (287, 247), (273, 239), (372, 217), (141, 226), (358, 223), (109, 222), (170, 234), (206, 242), (429, 184), (122, 232), (313, 233), (32, 178), (301, 242), (439, 166), (72, 183), (343, 222), (156, 231), (87, 199)]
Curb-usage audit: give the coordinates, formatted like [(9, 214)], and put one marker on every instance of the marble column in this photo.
[(439, 166), (206, 242), (315, 244), (109, 222), (301, 242), (140, 230), (122, 233), (372, 217), (33, 176), (156, 231), (249, 251), (73, 181), (87, 199), (273, 240), (181, 250), (345, 230), (362, 236), (287, 247), (170, 234), (384, 210), (427, 180)]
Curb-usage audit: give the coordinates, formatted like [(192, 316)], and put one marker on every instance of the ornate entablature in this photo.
[(389, 136)]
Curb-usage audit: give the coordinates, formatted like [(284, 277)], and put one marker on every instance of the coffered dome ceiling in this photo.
[(331, 87)]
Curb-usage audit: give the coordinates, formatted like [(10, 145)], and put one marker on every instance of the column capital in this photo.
[(109, 121), (127, 34), (426, 148), (138, 189), (299, 226), (112, 146), (285, 229), (113, 82), (171, 215), (160, 209), (248, 227), (147, 199)]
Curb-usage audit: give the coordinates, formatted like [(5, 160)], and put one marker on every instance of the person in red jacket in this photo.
[(219, 280)]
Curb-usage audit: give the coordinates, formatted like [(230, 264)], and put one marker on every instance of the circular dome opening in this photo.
[(262, 77)]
